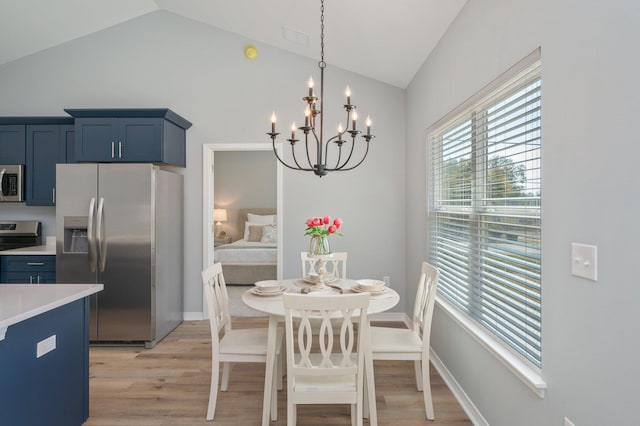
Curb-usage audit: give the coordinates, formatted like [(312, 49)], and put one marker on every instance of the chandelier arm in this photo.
[(295, 160), (353, 145), (283, 162), (326, 149), (351, 168), (306, 146), (318, 147)]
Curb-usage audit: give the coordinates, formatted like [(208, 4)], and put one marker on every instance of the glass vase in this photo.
[(319, 245)]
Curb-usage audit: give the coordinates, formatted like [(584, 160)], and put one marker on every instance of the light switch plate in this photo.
[(584, 261)]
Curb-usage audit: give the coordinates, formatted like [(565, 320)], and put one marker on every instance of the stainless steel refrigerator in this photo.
[(121, 225)]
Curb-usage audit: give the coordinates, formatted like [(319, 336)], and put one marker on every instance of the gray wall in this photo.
[(590, 110), (243, 179), (200, 72)]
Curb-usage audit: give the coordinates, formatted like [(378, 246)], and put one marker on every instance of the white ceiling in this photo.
[(381, 39)]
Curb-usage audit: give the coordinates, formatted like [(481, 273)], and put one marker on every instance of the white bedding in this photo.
[(242, 251)]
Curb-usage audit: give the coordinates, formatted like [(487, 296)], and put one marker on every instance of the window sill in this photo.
[(528, 375)]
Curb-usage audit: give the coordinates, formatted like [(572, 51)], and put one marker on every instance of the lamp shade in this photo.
[(219, 215)]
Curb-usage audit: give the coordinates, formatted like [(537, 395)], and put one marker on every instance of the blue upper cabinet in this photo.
[(130, 135), (12, 143), (46, 146)]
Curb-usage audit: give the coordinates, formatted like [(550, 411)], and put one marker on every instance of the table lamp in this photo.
[(219, 216)]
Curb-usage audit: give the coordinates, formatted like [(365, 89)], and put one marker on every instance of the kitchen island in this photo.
[(44, 353)]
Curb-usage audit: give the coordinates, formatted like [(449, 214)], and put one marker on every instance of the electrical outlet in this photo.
[(568, 422), (45, 346)]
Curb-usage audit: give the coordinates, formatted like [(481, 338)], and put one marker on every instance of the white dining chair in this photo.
[(233, 345), (336, 265), (318, 373), (412, 344)]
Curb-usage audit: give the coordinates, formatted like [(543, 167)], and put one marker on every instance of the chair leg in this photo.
[(213, 391), (291, 414), (354, 415), (426, 385), (365, 400), (274, 394), (281, 367), (416, 366), (225, 376)]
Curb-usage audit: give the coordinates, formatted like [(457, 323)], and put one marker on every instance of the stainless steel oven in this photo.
[(11, 183)]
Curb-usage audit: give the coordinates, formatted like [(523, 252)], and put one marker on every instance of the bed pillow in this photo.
[(255, 233), (246, 229), (269, 219), (269, 234)]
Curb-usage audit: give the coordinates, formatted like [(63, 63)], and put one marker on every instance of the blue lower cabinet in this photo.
[(44, 372), (27, 269)]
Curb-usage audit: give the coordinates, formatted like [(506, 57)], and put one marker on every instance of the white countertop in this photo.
[(30, 251), (19, 302), (46, 250)]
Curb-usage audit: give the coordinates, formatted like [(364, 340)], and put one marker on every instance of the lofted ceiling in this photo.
[(380, 39)]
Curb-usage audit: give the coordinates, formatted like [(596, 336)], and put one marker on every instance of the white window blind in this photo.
[(485, 228)]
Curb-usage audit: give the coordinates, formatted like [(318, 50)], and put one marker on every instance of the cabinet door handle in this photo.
[(54, 195), (113, 149), (35, 263), (30, 279), (119, 149), (38, 279)]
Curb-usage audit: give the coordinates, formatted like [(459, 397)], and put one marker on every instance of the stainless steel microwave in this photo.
[(11, 183)]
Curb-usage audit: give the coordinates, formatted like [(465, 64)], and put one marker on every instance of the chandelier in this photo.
[(312, 133)]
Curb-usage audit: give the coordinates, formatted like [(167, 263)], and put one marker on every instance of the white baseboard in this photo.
[(465, 402), (192, 316)]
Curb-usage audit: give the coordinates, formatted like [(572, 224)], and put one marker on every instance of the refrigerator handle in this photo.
[(90, 236), (102, 241), (2, 172)]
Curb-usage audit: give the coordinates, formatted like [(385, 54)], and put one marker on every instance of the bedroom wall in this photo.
[(589, 110), (243, 179), (200, 72)]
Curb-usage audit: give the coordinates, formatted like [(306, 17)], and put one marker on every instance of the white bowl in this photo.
[(370, 285), (268, 286)]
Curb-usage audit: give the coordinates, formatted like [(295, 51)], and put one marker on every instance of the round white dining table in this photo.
[(273, 306)]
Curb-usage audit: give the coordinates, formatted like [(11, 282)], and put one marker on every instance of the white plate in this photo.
[(359, 290), (257, 292), (268, 286)]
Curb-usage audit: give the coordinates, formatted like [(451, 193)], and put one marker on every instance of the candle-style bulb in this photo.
[(307, 113), (273, 122), (353, 121), (340, 129), (293, 130), (311, 87), (368, 125), (348, 93)]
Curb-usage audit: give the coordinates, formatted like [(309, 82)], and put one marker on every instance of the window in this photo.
[(485, 194)]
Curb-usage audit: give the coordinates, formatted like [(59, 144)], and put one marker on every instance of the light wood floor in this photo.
[(169, 385)]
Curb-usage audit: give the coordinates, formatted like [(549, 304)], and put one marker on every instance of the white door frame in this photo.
[(208, 153)]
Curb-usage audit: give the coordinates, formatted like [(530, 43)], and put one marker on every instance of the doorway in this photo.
[(209, 199)]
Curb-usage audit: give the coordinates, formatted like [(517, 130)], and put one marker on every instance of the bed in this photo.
[(255, 256)]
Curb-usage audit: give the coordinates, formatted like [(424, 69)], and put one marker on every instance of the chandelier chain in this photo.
[(322, 63)]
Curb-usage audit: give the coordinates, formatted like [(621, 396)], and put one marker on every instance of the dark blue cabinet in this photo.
[(12, 143), (38, 143), (17, 269), (46, 147), (50, 388), (130, 135)]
